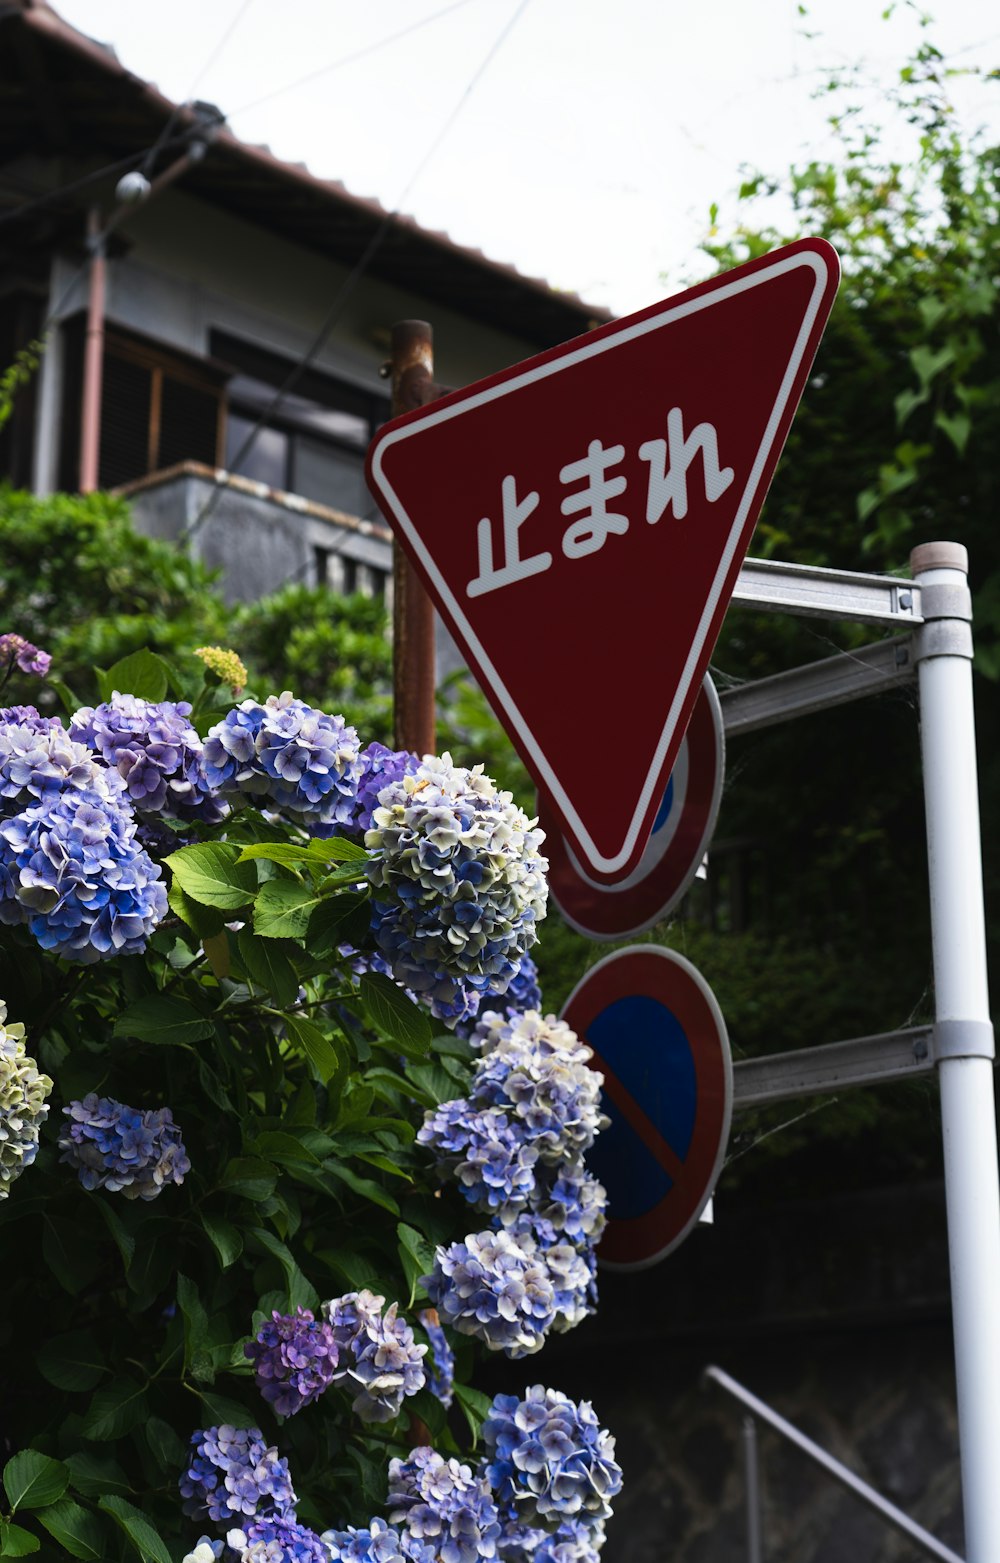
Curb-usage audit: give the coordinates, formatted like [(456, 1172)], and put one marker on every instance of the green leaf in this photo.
[(204, 921), (957, 428), (15, 1541), (927, 363), (122, 1236), (32, 1480), (283, 908), (77, 1531), (906, 402), (404, 1087), (139, 1529), (319, 1049), (72, 1259), (224, 1237), (335, 849), (70, 702), (278, 1146), (475, 1405), (267, 964), (195, 1328), (71, 1361), (114, 1411), (300, 1292), (167, 1449), (221, 1409), (163, 1019), (94, 1474), (396, 1016), (143, 674), (364, 1186), (252, 1178), (210, 874), (415, 1255), (339, 919)]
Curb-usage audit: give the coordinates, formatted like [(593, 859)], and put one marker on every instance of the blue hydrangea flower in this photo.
[(73, 870), (39, 760), (443, 1503), (441, 1379), (458, 869), (232, 1473), (487, 1152), (380, 1362), (571, 1268), (523, 992), (536, 1069), (448, 997), (285, 755), (492, 1287), (277, 1538), (548, 1459), (15, 649), (155, 750), (23, 1108), (572, 1201), (123, 1149), (295, 1358), (377, 1542), (571, 1542)]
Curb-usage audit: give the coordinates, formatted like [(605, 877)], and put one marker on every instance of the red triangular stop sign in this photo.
[(580, 521)]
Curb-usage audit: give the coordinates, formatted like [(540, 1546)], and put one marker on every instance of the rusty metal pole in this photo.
[(93, 361), (412, 372)]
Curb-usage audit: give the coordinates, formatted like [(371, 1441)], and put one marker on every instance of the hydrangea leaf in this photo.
[(143, 674), (210, 874), (283, 908), (221, 1409), (161, 1018), (69, 1255), (167, 1449), (475, 1405), (365, 1187), (336, 849), (32, 1480), (94, 1474), (396, 1016), (77, 1531), (195, 1318), (15, 1541), (204, 921), (318, 1048), (139, 1529), (115, 1410), (301, 1292), (250, 1177), (415, 1255), (224, 1238), (123, 1238), (267, 964), (339, 919), (71, 1361)]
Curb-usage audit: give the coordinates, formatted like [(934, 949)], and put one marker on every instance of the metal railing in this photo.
[(760, 1412)]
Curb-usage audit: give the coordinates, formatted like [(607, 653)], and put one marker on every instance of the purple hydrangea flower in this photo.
[(285, 755), (123, 1149), (443, 1503), (27, 716), (73, 870), (572, 1201), (39, 760), (232, 1474), (490, 1286), (378, 767), (14, 648), (488, 1152), (378, 1542), (380, 1362), (523, 993), (442, 1359), (155, 750), (548, 1459), (295, 1358), (458, 871), (571, 1542), (536, 1069), (278, 1538)]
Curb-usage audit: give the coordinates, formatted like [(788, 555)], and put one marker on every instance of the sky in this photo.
[(584, 141)]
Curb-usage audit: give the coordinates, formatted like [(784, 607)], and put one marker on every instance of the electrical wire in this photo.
[(348, 287), (178, 108), (133, 160), (349, 59)]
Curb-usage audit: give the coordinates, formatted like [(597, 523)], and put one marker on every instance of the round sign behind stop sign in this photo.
[(660, 1042)]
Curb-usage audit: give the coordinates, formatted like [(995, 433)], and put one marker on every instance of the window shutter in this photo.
[(189, 418), (125, 406)]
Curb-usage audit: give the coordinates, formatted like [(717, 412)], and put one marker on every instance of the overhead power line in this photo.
[(348, 287)]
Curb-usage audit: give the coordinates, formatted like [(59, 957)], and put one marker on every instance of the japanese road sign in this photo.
[(580, 520), (681, 832), (660, 1042)]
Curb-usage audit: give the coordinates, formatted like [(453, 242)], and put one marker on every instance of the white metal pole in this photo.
[(963, 1036)]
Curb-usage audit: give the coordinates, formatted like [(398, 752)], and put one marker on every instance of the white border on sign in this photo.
[(808, 258)]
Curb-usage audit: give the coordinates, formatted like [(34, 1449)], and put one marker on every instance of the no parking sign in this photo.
[(660, 1042)]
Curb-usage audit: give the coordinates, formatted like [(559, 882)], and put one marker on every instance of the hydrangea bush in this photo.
[(293, 1142)]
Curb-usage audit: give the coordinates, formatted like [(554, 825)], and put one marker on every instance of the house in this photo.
[(173, 339)]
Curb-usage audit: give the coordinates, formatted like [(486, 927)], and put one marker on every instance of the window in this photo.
[(159, 407), (314, 444)]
